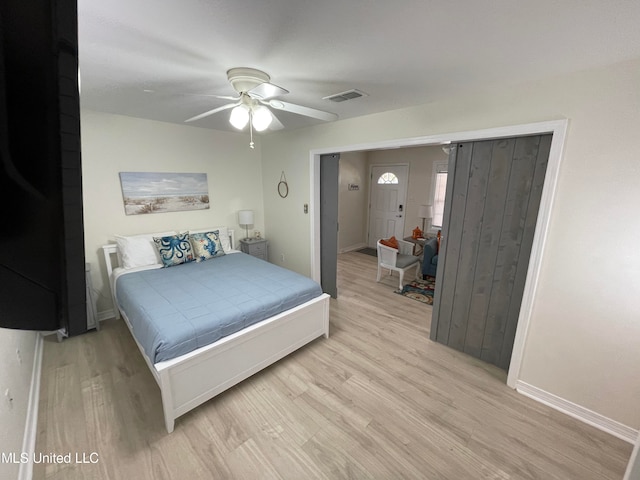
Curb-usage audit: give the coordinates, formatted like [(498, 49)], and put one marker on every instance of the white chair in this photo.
[(399, 260)]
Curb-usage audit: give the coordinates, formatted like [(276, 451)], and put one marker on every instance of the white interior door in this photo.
[(387, 201)]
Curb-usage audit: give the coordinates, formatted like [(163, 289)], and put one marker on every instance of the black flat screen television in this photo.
[(42, 264)]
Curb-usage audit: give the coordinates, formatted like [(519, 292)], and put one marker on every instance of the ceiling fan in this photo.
[(256, 95)]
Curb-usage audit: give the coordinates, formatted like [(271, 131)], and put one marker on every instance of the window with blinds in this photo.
[(440, 189)]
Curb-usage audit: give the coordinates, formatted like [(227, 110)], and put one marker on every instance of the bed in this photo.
[(203, 327)]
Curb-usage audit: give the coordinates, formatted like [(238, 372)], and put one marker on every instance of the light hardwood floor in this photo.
[(377, 399)]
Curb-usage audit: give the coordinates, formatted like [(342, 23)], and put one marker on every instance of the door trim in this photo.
[(558, 128)]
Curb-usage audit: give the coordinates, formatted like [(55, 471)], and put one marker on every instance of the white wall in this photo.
[(15, 375), (114, 143), (582, 344), (352, 204)]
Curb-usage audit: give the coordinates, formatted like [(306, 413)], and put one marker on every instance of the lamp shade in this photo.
[(261, 118), (239, 117), (245, 217), (425, 211)]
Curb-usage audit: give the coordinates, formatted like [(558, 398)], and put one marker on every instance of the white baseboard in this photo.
[(583, 414), (351, 248), (31, 425), (105, 315)]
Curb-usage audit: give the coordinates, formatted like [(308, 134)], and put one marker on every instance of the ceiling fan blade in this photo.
[(300, 110), (209, 95), (211, 112), (275, 123), (223, 97), (267, 90)]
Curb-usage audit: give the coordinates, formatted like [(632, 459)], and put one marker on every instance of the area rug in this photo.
[(368, 251), (420, 290)]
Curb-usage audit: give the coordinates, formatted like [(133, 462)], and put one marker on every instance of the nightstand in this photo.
[(258, 248), (418, 244)]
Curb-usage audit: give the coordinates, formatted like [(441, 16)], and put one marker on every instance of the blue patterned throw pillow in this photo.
[(174, 249), (206, 245)]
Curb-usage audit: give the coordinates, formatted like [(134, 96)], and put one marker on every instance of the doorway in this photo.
[(557, 128)]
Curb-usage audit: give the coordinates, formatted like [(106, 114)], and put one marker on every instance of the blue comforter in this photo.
[(178, 309)]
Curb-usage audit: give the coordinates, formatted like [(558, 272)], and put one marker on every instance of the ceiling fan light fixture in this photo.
[(254, 103), (261, 118), (239, 117)]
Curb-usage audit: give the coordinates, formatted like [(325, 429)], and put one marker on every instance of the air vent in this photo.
[(344, 96)]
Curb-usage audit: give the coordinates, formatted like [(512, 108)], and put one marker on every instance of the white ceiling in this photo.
[(401, 53)]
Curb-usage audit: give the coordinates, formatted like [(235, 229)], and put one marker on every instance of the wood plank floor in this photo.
[(376, 400)]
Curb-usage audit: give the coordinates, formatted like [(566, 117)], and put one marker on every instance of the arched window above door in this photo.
[(388, 178)]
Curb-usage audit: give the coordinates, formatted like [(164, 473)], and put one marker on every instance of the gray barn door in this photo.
[(493, 196), (329, 170)]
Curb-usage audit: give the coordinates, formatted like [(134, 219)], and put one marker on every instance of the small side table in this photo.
[(418, 244), (258, 248)]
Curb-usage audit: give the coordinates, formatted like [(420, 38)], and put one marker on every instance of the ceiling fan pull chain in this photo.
[(251, 145)]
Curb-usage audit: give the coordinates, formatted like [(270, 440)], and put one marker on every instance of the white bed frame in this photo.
[(191, 379)]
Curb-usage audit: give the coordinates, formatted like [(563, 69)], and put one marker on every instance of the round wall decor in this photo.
[(283, 187)]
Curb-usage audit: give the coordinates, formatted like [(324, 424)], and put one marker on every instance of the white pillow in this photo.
[(224, 236), (139, 250)]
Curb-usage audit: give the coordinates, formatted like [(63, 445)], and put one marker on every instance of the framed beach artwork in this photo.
[(159, 192)]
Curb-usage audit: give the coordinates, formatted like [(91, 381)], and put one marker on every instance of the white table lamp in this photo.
[(424, 212), (245, 218)]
